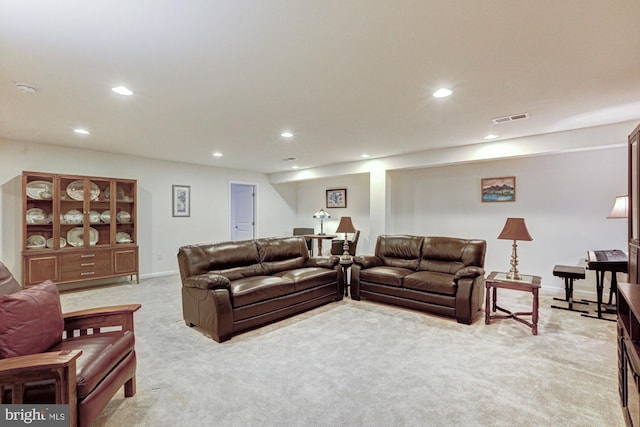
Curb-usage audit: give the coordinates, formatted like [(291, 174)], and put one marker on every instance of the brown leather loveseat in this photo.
[(233, 286), (442, 275)]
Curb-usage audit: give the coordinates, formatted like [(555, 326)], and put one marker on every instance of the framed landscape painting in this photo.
[(502, 189)]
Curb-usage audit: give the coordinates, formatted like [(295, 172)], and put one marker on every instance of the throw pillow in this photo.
[(30, 320)]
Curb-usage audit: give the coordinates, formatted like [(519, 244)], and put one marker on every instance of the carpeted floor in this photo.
[(359, 363)]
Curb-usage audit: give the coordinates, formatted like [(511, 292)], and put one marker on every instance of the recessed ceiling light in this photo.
[(121, 90), (491, 136), (25, 88), (365, 156), (82, 131), (286, 134), (442, 92), (295, 167), (217, 154)]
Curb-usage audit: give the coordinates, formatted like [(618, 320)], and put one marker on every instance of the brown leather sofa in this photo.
[(49, 357), (441, 275), (234, 286)]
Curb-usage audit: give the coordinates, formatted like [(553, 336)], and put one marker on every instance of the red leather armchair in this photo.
[(81, 359)]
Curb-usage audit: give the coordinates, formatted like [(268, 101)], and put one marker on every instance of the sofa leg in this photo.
[(130, 387)]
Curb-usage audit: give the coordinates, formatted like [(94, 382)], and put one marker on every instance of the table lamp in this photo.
[(620, 207), (322, 215), (515, 229), (345, 226)]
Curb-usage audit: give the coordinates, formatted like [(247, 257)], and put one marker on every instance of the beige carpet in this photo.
[(364, 364)]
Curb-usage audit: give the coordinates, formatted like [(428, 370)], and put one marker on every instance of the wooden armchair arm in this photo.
[(57, 365), (118, 316)]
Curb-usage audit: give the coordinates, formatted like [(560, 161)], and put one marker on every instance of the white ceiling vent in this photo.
[(511, 118)]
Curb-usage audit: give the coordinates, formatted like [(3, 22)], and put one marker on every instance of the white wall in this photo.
[(311, 197), (564, 199), (159, 234)]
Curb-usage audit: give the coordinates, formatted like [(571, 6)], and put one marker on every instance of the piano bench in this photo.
[(569, 274)]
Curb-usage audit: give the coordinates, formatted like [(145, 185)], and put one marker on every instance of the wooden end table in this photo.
[(527, 284), (319, 238)]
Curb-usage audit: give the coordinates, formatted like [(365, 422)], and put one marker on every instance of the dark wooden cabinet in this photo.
[(629, 351), (634, 204), (628, 299), (78, 228)]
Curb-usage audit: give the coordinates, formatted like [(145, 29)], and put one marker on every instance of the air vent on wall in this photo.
[(511, 118)]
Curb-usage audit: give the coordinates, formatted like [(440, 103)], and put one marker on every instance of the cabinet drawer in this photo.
[(84, 260), (85, 265), (85, 274)]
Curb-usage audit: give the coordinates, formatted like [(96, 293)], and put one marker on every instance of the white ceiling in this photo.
[(346, 76)]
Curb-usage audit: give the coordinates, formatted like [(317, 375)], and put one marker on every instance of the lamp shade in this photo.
[(345, 226), (515, 229), (322, 214), (620, 207)]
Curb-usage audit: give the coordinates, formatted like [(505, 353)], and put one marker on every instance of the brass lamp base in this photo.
[(513, 274)]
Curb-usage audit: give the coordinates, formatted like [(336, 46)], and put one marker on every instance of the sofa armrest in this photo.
[(323, 261), (469, 272), (118, 316), (469, 297), (208, 281), (367, 261)]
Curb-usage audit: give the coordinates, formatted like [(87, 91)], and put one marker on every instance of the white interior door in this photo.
[(243, 210)]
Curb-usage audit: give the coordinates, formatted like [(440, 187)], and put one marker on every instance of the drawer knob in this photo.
[(87, 255), (87, 264), (88, 273)]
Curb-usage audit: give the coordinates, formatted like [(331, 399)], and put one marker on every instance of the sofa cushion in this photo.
[(450, 254), (259, 288), (234, 260), (280, 254), (400, 251), (429, 281), (30, 320), (306, 278), (385, 275), (100, 354)]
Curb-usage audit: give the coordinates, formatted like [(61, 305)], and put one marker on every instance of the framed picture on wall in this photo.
[(181, 200), (337, 198), (502, 189)]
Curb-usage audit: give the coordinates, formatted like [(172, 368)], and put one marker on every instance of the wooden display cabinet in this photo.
[(628, 298), (78, 228), (634, 204)]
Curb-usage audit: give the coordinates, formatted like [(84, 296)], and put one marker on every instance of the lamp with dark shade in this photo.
[(322, 215), (620, 208), (514, 229), (345, 226)]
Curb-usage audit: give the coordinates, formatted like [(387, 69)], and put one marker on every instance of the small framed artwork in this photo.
[(181, 200), (337, 198), (502, 189)]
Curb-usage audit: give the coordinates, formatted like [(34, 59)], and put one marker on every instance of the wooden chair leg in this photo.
[(130, 387)]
